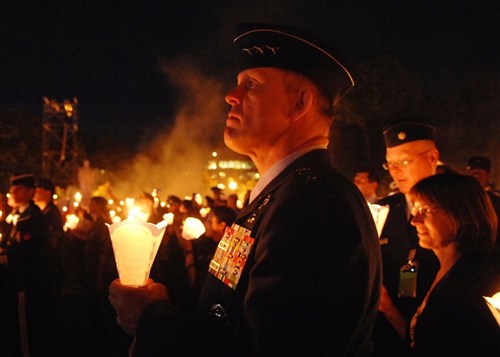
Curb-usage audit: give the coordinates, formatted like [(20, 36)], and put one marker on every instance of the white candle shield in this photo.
[(135, 244), (193, 228), (494, 305)]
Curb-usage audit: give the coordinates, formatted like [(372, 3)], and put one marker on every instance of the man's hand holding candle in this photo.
[(129, 302)]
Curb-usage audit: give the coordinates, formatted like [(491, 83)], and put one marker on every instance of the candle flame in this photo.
[(78, 197)]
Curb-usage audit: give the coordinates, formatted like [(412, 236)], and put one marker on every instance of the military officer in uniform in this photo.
[(25, 296), (299, 271), (409, 270)]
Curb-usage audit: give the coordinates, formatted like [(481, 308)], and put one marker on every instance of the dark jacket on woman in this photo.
[(456, 320)]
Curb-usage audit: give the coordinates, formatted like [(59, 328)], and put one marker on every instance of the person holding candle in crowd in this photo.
[(99, 270), (299, 271), (25, 292), (43, 198), (454, 217), (408, 269), (146, 203)]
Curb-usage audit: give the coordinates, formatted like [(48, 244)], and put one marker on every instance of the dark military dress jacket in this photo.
[(24, 243), (298, 273)]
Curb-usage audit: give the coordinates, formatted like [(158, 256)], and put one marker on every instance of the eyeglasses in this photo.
[(422, 211), (402, 163)]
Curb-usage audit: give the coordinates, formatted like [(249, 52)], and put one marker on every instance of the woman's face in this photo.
[(434, 226)]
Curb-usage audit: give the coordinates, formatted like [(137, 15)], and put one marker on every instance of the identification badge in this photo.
[(408, 277), (231, 255)]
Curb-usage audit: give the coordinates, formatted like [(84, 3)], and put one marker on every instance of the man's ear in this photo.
[(435, 156), (222, 225), (303, 104)]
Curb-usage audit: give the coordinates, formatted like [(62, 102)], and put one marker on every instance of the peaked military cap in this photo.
[(23, 178), (479, 162), (294, 49), (407, 131)]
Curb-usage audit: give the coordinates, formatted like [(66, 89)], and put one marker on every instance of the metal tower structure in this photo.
[(59, 155)]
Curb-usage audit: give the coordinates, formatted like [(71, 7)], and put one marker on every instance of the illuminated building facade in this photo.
[(232, 173)]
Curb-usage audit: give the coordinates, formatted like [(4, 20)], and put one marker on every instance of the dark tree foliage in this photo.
[(20, 144), (465, 107)]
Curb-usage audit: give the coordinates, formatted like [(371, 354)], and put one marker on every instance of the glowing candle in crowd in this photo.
[(193, 228), (135, 244), (169, 217), (71, 221), (204, 211), (494, 305), (78, 197)]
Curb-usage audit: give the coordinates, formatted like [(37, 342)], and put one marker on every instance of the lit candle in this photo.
[(169, 217), (135, 244), (71, 221), (494, 305), (193, 228), (204, 211)]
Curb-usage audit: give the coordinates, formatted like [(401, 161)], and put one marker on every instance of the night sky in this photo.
[(107, 54)]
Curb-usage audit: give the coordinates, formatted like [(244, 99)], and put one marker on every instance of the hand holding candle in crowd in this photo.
[(129, 302)]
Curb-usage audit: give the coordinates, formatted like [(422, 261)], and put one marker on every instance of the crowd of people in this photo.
[(300, 270), (59, 276)]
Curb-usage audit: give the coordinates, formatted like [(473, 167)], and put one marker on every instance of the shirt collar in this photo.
[(277, 168)]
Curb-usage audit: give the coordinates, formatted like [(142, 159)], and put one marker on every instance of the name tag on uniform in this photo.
[(231, 255)]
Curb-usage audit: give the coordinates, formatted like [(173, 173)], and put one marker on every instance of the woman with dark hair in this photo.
[(455, 219)]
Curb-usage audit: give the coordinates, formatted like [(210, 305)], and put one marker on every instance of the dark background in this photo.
[(133, 65)]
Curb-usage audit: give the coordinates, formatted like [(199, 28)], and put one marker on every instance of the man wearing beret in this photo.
[(26, 294), (409, 269), (299, 271)]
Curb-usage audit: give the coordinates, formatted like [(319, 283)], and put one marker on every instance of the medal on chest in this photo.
[(231, 255)]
